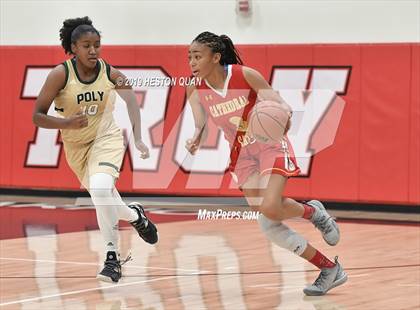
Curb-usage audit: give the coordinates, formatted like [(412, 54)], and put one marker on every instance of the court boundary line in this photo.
[(21, 301), (209, 273), (194, 271)]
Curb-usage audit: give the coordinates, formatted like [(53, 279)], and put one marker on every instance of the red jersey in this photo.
[(229, 109)]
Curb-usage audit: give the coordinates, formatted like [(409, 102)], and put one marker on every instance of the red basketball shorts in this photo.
[(263, 159)]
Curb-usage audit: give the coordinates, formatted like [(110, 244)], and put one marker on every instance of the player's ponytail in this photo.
[(220, 44), (72, 30), (230, 54)]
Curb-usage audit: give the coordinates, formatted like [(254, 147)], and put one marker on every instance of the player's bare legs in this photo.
[(270, 202), (265, 195), (273, 204)]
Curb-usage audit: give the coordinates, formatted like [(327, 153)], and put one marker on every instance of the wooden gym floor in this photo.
[(222, 264)]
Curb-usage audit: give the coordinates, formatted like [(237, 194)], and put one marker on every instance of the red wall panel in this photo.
[(374, 158), (385, 110), (6, 110), (333, 177), (414, 121)]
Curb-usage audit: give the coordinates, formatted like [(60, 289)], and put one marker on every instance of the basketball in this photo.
[(267, 121)]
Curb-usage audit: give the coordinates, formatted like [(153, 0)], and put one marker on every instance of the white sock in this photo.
[(124, 212), (100, 189)]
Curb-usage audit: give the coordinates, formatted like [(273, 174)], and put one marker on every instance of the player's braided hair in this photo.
[(72, 30), (220, 44)]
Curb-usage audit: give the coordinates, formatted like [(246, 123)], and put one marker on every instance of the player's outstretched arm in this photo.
[(200, 118), (56, 81), (127, 94)]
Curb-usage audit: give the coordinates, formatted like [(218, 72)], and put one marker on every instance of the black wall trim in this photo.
[(347, 206)]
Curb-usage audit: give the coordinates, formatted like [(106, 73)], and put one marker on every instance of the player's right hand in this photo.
[(191, 146), (77, 121)]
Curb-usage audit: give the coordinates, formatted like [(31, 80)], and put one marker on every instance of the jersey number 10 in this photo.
[(90, 110)]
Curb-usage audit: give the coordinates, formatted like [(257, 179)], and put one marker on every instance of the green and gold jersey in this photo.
[(96, 99)]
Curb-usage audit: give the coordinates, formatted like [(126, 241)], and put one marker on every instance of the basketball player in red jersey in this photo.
[(228, 93)]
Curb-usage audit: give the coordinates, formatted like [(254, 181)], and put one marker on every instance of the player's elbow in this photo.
[(36, 118)]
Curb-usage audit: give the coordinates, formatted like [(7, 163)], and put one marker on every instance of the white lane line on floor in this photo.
[(359, 275), (82, 291), (275, 285), (192, 271)]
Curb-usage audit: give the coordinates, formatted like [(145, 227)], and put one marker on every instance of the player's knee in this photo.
[(101, 196), (100, 187), (282, 235), (100, 193), (272, 208), (266, 224)]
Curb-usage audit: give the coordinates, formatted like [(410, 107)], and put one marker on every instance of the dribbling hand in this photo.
[(77, 121), (144, 150)]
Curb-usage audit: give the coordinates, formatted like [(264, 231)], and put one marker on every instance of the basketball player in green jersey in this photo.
[(83, 90)]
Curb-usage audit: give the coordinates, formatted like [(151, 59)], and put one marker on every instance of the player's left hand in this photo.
[(144, 150), (191, 146)]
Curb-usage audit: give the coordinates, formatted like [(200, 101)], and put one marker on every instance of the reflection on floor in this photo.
[(222, 264), (33, 219)]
